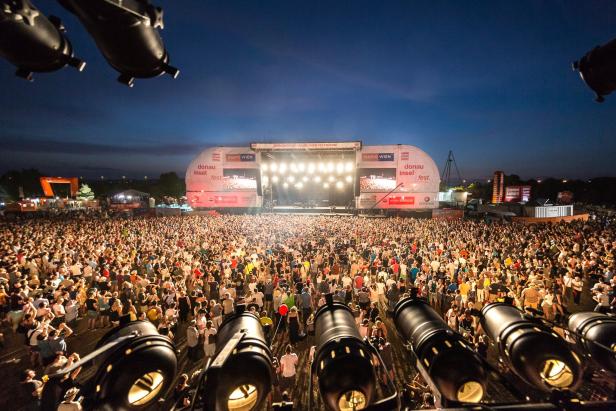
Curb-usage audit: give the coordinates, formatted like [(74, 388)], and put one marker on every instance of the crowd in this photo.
[(195, 270)]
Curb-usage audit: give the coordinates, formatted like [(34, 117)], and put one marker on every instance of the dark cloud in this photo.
[(51, 146)]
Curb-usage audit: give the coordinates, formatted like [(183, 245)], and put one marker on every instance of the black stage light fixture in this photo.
[(240, 376), (126, 32), (344, 364), (443, 356), (135, 367), (33, 42), (595, 335), (598, 69), (533, 351)]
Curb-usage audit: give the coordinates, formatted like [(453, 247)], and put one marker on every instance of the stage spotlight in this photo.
[(282, 168), (331, 179), (340, 168), (349, 179), (339, 185), (135, 367), (33, 42), (342, 361), (240, 376), (139, 50), (311, 168), (291, 179), (304, 179), (322, 167), (301, 167), (596, 337), (265, 180), (532, 351), (299, 185), (348, 167), (598, 69), (274, 179), (293, 168), (264, 167), (274, 167), (317, 179), (285, 185), (454, 368), (330, 167), (326, 185)]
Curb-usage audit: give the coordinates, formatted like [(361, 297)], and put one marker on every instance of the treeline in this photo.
[(166, 185)]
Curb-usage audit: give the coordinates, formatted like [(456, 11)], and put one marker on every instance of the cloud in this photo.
[(49, 146)]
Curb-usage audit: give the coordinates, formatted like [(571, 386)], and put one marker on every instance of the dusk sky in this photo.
[(491, 80)]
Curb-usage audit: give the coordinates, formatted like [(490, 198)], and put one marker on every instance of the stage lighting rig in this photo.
[(33, 42), (240, 376), (135, 367), (344, 364), (595, 335), (598, 69), (126, 32), (531, 350), (444, 358)]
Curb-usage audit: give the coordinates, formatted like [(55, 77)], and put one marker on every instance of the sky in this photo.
[(490, 80)]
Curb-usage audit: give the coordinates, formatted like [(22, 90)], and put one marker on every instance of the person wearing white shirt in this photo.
[(209, 335), (288, 369)]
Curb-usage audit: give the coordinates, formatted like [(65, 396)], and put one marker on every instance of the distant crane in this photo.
[(446, 175)]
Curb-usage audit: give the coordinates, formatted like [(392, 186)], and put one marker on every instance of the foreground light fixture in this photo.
[(240, 376), (451, 364), (339, 185), (135, 367), (532, 351), (595, 335), (342, 362)]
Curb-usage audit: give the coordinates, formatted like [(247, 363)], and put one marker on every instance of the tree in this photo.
[(169, 184), (85, 193)]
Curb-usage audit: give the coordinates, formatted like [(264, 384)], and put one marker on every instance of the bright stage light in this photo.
[(285, 185), (283, 167), (291, 179), (348, 167), (311, 168), (332, 179), (349, 179), (293, 168), (339, 185), (304, 179), (325, 185), (263, 167), (301, 167), (299, 185), (330, 167), (274, 167), (265, 180), (322, 167), (317, 179), (339, 168), (274, 179)]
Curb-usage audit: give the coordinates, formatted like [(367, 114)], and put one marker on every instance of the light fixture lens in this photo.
[(556, 373), (470, 391), (146, 388), (352, 400), (243, 398)]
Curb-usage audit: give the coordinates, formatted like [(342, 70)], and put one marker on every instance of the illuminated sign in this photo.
[(346, 145), (377, 156), (240, 157)]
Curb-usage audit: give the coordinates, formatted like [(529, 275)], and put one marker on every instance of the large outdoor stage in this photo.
[(314, 177)]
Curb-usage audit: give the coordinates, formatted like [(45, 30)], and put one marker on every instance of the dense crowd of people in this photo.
[(194, 270)]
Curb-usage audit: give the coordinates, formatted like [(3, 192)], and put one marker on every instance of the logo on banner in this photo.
[(377, 156), (216, 156), (404, 200), (240, 157), (404, 156)]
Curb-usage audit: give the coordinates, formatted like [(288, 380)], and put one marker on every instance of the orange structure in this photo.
[(46, 183)]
